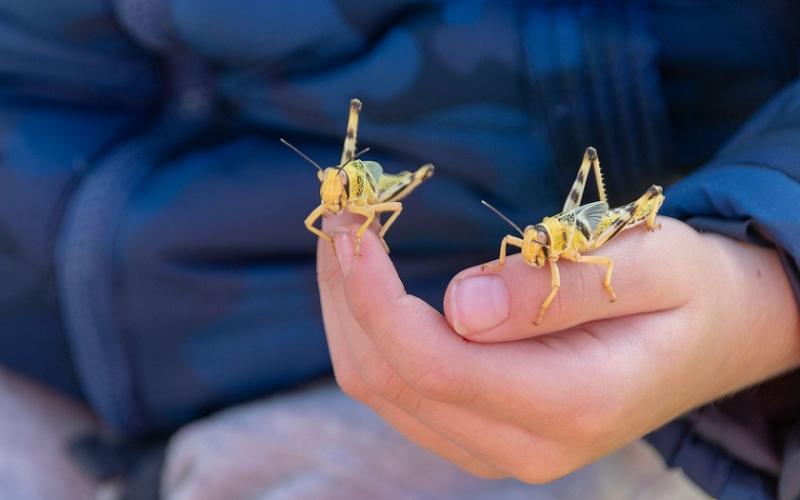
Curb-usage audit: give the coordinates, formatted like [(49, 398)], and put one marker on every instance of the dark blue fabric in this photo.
[(714, 470), (750, 191), (151, 245)]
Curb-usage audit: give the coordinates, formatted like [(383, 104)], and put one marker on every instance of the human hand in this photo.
[(698, 317)]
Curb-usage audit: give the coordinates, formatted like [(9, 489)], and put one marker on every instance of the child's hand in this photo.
[(698, 317)]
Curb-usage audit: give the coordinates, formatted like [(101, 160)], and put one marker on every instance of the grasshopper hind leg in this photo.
[(627, 216), (651, 207), (349, 149), (589, 164)]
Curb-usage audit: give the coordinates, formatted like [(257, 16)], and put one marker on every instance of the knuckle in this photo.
[(486, 473), (585, 419), (351, 385), (370, 313), (436, 381), (543, 466), (585, 427), (539, 473), (362, 308), (329, 277), (384, 382)]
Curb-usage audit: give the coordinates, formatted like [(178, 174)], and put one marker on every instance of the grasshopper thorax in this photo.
[(333, 191), (535, 245)]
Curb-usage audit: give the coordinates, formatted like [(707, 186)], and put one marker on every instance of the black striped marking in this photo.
[(583, 229), (543, 230)]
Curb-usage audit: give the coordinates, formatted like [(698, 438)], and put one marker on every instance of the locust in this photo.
[(578, 229), (360, 187)]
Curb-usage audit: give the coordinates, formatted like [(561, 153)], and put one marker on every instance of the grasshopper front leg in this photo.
[(555, 284), (312, 219), (501, 261)]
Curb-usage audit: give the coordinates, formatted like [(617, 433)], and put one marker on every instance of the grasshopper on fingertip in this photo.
[(360, 186)]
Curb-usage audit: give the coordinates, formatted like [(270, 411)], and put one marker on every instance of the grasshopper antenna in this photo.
[(500, 214), (303, 155), (354, 157)]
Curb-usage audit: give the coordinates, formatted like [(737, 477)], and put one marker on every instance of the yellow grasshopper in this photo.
[(579, 229), (360, 187)]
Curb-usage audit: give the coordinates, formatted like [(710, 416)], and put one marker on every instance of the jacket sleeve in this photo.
[(747, 446)]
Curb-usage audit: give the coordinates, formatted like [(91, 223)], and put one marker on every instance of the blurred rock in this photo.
[(320, 444), (36, 427)]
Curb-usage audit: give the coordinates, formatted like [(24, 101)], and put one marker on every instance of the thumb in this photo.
[(652, 272)]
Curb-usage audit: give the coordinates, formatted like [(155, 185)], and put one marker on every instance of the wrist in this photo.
[(754, 320)]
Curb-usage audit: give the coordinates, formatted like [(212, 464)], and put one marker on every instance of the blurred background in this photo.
[(154, 268)]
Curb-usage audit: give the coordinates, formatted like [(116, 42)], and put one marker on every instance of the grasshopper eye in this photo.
[(541, 237)]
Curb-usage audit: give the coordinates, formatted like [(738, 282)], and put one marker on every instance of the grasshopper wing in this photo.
[(591, 214), (395, 187), (374, 172), (586, 218)]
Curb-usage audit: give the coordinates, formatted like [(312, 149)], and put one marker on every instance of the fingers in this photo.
[(411, 334), (649, 274), (538, 407), (519, 383), (518, 406), (459, 433), (338, 323), (472, 444)]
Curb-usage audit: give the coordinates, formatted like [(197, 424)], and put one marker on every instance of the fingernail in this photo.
[(479, 303), (345, 250)]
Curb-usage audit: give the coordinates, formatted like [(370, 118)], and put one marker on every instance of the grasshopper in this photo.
[(579, 229), (361, 187)]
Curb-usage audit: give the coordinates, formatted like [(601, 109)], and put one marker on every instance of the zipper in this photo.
[(85, 252)]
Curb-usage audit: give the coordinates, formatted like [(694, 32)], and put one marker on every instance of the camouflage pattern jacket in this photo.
[(152, 253)]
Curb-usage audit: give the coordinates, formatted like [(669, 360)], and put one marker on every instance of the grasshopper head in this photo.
[(333, 191), (535, 249)]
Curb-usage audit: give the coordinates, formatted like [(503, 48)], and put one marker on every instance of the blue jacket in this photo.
[(152, 253)]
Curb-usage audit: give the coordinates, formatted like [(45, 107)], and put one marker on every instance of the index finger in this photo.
[(432, 359)]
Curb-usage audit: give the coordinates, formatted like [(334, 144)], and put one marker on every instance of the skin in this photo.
[(699, 316)]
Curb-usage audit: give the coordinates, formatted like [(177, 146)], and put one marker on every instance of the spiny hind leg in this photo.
[(349, 150), (395, 187), (654, 197), (312, 219), (555, 284), (601, 261), (590, 161), (419, 176), (501, 261), (627, 216)]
